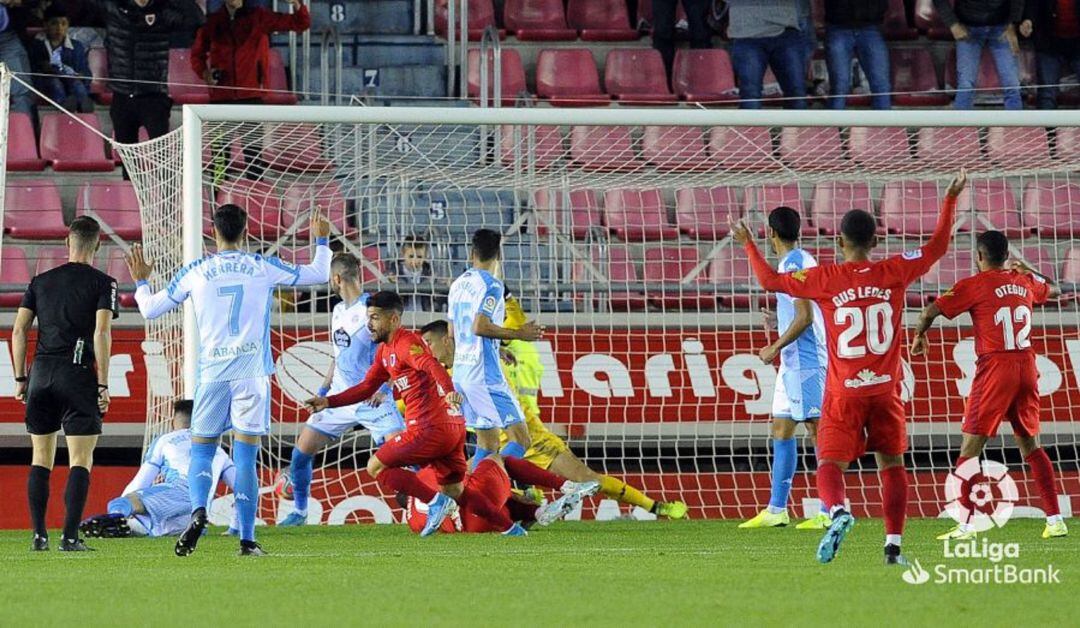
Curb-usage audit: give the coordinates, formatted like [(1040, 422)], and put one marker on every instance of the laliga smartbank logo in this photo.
[(980, 496)]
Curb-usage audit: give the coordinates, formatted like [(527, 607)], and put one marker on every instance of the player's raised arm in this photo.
[(1045, 288), (938, 244), (318, 271), (376, 376), (802, 284), (153, 304)]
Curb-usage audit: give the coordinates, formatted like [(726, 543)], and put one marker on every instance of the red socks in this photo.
[(404, 481), (1043, 471), (528, 473), (480, 505), (830, 485), (894, 489)]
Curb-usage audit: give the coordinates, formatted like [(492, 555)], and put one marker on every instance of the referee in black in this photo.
[(67, 385)]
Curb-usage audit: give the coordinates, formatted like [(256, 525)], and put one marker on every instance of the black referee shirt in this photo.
[(65, 301)]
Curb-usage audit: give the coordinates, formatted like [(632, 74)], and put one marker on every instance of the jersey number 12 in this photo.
[(1005, 317)]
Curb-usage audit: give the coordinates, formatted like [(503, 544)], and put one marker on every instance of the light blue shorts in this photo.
[(169, 507), (489, 406), (242, 405), (798, 394), (382, 420)]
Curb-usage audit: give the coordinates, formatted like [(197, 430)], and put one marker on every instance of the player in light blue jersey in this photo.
[(150, 508), (800, 381), (232, 293), (477, 307), (354, 351)]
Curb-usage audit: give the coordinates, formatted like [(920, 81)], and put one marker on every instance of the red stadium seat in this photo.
[(880, 148), (636, 75), (811, 148), (703, 213), (185, 87), (115, 265), (1042, 259), (1018, 147), (620, 271), (669, 266), (260, 200), (537, 20), (956, 265), (1068, 143), (481, 15), (994, 202), (833, 199), (540, 145), (600, 20), (947, 148), (765, 198), (14, 275), (567, 77), (637, 215), (912, 207), (277, 82), (70, 146), (98, 60), (742, 149), (603, 148), (301, 198), (914, 79), (513, 76), (730, 266), (33, 211), (584, 216), (928, 21), (704, 76), (1070, 271), (294, 148), (49, 257), (675, 148), (896, 25), (22, 150), (1052, 208), (114, 204)]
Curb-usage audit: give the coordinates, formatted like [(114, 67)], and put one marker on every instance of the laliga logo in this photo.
[(982, 495)]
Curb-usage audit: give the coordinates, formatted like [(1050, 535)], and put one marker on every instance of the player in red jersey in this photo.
[(862, 303), (1006, 384), (434, 432)]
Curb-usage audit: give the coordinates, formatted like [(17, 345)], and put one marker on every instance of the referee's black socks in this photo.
[(37, 489), (78, 485)]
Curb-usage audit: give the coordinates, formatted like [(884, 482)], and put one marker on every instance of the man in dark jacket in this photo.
[(663, 34), (137, 40), (61, 63), (13, 17), (978, 24), (853, 29), (1054, 26)]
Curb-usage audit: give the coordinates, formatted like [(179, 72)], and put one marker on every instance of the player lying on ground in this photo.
[(492, 478), (354, 350), (1006, 384), (800, 381), (162, 509), (477, 308), (232, 292), (434, 431), (546, 450), (862, 303)]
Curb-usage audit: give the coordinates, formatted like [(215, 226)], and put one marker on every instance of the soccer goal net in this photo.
[(616, 238)]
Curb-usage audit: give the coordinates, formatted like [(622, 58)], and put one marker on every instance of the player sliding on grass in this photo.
[(1006, 384), (546, 450), (800, 382), (863, 304), (434, 433), (354, 350)]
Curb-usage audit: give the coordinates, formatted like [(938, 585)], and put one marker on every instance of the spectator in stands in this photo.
[(853, 29), (13, 53), (61, 63), (413, 270), (1054, 26), (137, 42), (663, 15), (768, 32), (978, 24)]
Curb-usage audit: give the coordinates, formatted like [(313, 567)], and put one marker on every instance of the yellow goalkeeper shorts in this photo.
[(545, 448)]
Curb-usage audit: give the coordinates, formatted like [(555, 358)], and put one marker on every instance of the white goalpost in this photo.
[(615, 234)]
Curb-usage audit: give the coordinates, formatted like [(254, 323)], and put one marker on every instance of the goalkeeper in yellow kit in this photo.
[(523, 370)]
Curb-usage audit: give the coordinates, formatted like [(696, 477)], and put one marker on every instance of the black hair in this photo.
[(485, 244), (54, 11), (184, 406), (230, 221), (786, 223), (346, 265), (387, 300), (859, 227), (440, 327), (84, 232), (415, 242), (994, 246)]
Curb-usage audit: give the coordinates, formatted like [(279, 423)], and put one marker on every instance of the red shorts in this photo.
[(441, 446), (490, 479), (1006, 386), (850, 426)]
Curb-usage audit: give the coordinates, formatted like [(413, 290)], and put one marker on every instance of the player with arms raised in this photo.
[(434, 431), (477, 307), (862, 303), (1006, 384), (232, 292)]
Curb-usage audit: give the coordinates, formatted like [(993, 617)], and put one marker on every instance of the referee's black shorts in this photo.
[(62, 395)]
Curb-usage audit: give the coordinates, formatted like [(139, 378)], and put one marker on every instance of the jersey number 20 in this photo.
[(876, 320)]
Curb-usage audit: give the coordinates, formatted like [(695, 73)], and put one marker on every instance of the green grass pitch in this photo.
[(571, 574)]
